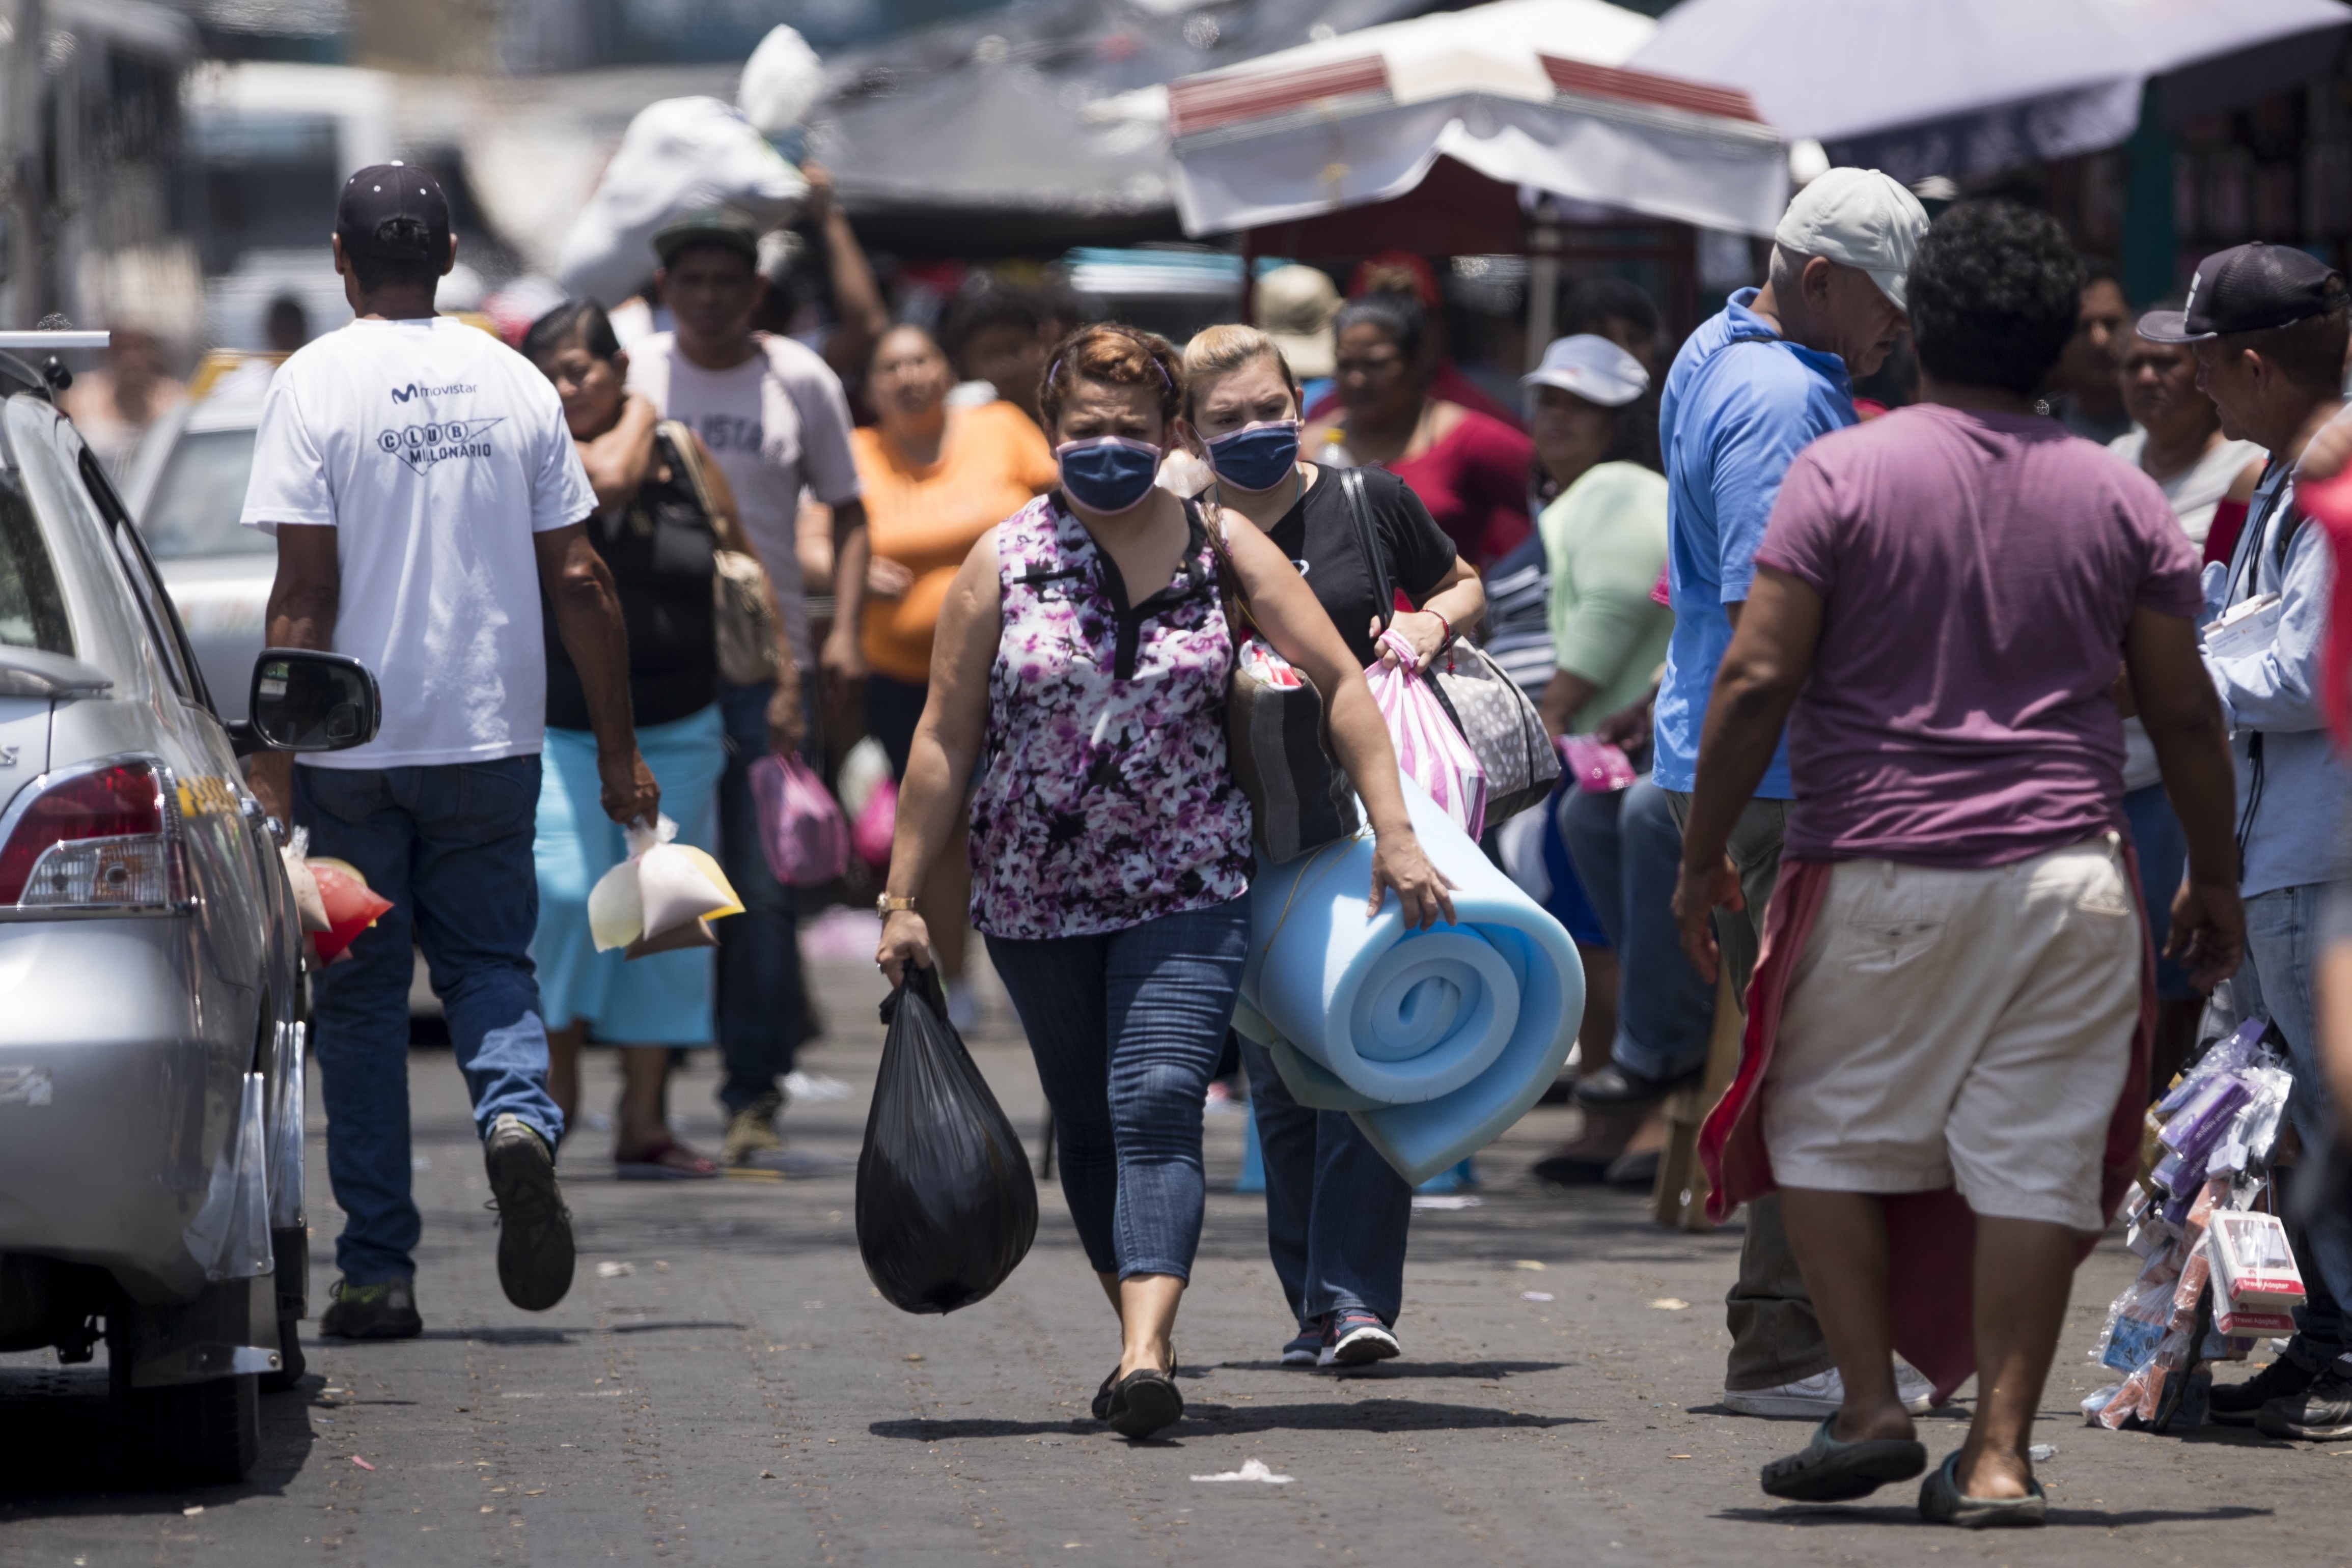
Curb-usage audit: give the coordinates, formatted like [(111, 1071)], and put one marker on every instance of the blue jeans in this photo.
[(1336, 1213), (2282, 942), (1126, 1028), (451, 847), (2162, 847), (1628, 852), (762, 1016)]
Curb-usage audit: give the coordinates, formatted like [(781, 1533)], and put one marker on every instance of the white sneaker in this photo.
[(813, 1088), (1819, 1397)]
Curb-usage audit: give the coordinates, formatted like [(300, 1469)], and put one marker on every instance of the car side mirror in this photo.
[(305, 700)]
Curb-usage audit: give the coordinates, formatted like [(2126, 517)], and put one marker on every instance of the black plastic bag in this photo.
[(945, 1207)]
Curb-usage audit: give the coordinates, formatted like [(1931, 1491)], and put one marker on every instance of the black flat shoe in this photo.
[(1567, 1170), (1611, 1088), (1143, 1402), (1102, 1395)]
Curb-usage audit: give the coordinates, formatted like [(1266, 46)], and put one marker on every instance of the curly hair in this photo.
[(1122, 356), (1994, 293)]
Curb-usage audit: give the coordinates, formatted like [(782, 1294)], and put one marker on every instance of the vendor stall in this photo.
[(1468, 133)]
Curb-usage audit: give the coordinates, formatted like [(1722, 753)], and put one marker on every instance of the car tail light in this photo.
[(99, 840)]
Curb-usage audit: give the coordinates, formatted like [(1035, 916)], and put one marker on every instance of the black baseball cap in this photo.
[(2248, 288), (394, 211), (720, 226)]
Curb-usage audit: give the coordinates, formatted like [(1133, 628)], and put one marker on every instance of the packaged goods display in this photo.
[(2216, 1272)]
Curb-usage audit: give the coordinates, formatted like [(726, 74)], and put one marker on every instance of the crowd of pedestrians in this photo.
[(1928, 757)]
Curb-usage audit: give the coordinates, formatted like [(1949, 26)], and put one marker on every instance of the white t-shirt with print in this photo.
[(776, 424), (435, 452)]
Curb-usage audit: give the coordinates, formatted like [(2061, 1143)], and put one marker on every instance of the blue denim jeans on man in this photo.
[(762, 1016), (1335, 1212), (1127, 1027), (2274, 981), (451, 847), (1628, 854)]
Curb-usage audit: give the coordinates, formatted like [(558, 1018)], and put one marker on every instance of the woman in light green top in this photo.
[(1604, 538)]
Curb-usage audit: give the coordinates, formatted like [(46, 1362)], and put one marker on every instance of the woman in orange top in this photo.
[(934, 479)]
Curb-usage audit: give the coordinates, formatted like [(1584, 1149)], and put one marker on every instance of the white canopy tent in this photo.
[(1964, 88), (1526, 93)]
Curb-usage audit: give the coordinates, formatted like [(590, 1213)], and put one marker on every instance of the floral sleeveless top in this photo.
[(1108, 799)]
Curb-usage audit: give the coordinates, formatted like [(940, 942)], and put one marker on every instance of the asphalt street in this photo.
[(723, 1387)]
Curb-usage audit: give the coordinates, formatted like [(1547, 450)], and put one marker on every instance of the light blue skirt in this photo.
[(664, 1000)]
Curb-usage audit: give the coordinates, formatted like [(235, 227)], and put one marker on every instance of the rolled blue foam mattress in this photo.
[(1436, 1041)]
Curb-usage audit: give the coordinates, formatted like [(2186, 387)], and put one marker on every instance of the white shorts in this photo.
[(1961, 1028)]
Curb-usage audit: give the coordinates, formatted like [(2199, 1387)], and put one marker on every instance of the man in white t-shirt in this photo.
[(425, 494), (777, 422)]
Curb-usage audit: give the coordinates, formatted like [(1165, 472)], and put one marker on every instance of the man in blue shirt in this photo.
[(2269, 325), (1752, 387)]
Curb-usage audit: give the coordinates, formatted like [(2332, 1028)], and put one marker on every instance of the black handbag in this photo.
[(1277, 737), (1495, 717)]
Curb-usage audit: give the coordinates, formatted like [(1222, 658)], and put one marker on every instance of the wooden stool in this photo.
[(1679, 1201)]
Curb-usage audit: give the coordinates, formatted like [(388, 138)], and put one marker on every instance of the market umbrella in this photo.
[(1525, 93), (1964, 88), (1040, 124)]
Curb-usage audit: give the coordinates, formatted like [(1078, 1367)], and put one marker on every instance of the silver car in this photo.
[(186, 486), (150, 1050)]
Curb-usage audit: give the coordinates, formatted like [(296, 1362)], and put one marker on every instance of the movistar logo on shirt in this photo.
[(421, 445), (414, 390)]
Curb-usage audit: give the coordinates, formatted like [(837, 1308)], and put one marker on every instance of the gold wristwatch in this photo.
[(890, 903)]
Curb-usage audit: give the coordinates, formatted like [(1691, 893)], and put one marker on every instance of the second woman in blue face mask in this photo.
[(1335, 1212)]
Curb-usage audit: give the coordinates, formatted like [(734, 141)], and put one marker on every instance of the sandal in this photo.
[(1941, 1501), (1145, 1401), (1829, 1470), (668, 1161)]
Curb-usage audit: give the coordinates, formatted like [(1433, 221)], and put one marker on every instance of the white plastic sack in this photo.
[(679, 156), (663, 896), (781, 81), (230, 1233), (286, 1134), (306, 901)]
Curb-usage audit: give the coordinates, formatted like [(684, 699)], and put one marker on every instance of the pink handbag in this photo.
[(1430, 750), (801, 829), (876, 824)]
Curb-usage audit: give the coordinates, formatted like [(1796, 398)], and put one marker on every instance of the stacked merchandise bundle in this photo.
[(2194, 1225)]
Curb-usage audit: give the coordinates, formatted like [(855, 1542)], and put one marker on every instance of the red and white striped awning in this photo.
[(1527, 92)]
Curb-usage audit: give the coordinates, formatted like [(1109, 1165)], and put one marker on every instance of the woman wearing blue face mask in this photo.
[(1084, 650), (1336, 1211)]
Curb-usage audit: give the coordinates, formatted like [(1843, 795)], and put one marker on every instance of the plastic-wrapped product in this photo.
[(2255, 1127), (2137, 1321), (2227, 1055), (2197, 1127), (2253, 1265)]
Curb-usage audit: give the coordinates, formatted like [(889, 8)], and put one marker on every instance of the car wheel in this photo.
[(207, 1431), (291, 1365)]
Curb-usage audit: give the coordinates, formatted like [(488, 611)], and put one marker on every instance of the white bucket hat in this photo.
[(1591, 367)]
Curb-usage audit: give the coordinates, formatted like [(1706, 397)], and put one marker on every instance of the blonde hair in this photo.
[(1222, 350)]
